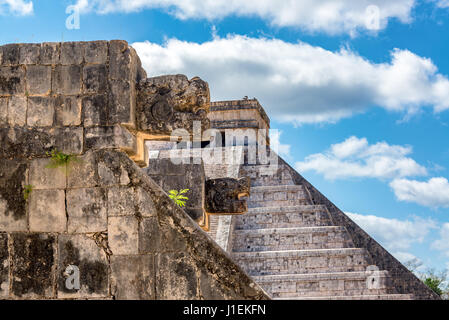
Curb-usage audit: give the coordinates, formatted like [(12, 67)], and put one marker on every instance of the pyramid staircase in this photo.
[(294, 250)]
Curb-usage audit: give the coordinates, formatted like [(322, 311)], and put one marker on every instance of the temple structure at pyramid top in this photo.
[(246, 113)]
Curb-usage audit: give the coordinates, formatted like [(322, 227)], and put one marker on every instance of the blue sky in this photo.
[(361, 96)]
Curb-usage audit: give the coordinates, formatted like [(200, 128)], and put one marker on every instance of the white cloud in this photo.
[(355, 157), (396, 235), (443, 243), (442, 3), (407, 257), (16, 7), (331, 16), (275, 142), (300, 83), (433, 193)]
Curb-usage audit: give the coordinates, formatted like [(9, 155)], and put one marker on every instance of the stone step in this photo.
[(283, 217), (280, 188), (277, 203), (263, 175), (358, 297), (328, 237), (255, 170), (325, 284), (302, 261), (284, 195), (271, 181)]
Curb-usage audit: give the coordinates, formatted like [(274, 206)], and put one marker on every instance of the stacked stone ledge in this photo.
[(99, 212)]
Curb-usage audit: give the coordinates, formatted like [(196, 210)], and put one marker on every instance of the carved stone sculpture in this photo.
[(224, 196), (172, 102)]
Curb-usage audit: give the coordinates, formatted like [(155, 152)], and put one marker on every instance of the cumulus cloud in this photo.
[(407, 257), (432, 193), (443, 243), (275, 141), (396, 235), (442, 3), (16, 7), (355, 157), (300, 83), (330, 16)]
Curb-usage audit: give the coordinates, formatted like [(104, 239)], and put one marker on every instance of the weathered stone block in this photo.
[(121, 201), (30, 53), (66, 80), (4, 266), (19, 142), (96, 52), (153, 237), (145, 204), (150, 236), (211, 289), (12, 80), (111, 171), (95, 78), (42, 176), (87, 210), (108, 137), (38, 80), (119, 60), (68, 110), (68, 140), (167, 167), (72, 53), (82, 252), (123, 235), (47, 211), (50, 53), (33, 259), (12, 203), (133, 277), (17, 110), (95, 110), (41, 111), (3, 112), (11, 54), (120, 102), (82, 172), (176, 277)]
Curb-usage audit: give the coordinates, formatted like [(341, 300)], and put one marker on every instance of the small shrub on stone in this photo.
[(179, 197), (58, 159)]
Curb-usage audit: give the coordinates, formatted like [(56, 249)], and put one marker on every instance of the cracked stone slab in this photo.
[(87, 210)]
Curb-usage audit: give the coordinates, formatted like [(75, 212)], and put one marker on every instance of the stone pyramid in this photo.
[(293, 241)]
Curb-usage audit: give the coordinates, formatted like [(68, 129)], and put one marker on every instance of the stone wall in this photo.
[(94, 208)]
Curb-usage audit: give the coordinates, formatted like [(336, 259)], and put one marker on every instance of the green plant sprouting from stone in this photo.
[(58, 159), (179, 197), (27, 191)]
